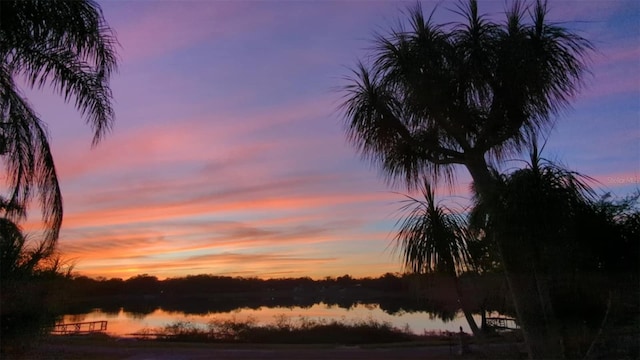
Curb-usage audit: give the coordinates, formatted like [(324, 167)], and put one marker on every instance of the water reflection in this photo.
[(122, 323)]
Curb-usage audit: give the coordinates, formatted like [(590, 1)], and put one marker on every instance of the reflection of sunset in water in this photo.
[(123, 323)]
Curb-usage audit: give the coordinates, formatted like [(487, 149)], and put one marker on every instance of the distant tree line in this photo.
[(146, 284), (199, 294)]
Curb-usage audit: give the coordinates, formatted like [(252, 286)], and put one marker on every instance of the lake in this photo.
[(123, 323)]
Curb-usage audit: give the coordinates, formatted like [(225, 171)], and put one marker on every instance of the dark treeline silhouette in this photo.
[(201, 294)]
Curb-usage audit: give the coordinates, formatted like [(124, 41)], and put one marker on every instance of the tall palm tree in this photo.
[(534, 218), (433, 97), (68, 45), (433, 238)]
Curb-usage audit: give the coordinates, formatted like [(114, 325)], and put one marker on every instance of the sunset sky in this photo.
[(228, 155)]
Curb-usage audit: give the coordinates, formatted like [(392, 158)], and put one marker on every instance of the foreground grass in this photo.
[(108, 348), (299, 339), (289, 331), (289, 338)]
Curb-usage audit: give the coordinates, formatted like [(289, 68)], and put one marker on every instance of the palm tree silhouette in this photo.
[(30, 275), (68, 45), (434, 238), (533, 217), (433, 97)]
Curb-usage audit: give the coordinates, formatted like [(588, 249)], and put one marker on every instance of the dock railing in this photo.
[(503, 323), (80, 328)]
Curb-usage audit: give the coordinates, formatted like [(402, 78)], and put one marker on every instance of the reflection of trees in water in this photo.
[(137, 315), (76, 318), (444, 315), (437, 310), (205, 305), (343, 303), (138, 310), (111, 310), (371, 306)]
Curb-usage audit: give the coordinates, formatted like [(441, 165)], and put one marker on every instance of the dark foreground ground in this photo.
[(66, 348)]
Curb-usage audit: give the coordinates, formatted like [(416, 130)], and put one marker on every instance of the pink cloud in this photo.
[(200, 139), (620, 179), (145, 212)]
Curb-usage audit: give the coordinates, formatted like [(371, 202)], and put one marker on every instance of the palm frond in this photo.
[(12, 243), (38, 37), (378, 129), (29, 161), (431, 237), (71, 78), (66, 44), (535, 210)]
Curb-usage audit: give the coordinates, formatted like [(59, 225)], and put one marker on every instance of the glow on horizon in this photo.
[(228, 155)]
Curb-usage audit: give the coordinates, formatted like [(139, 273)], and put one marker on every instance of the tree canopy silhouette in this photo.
[(434, 96), (65, 44)]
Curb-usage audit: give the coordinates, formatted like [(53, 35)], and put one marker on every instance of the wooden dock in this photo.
[(88, 327)]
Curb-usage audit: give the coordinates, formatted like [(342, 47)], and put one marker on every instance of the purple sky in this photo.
[(229, 157)]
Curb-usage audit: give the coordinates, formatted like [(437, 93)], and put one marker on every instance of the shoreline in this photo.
[(109, 348)]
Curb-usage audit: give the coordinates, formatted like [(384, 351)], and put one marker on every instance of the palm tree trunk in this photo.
[(537, 328), (465, 309), (537, 323), (479, 171), (598, 338)]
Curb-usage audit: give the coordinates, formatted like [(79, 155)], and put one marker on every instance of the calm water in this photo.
[(124, 323)]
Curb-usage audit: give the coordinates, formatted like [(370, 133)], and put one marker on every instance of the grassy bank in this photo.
[(285, 330)]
